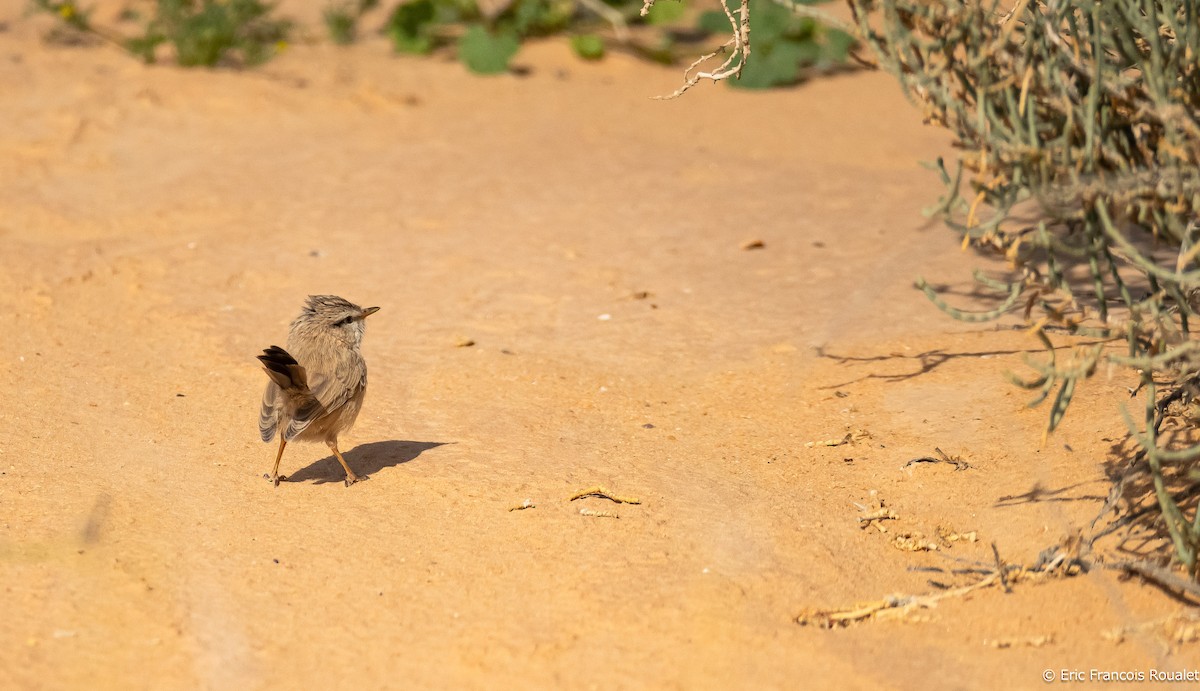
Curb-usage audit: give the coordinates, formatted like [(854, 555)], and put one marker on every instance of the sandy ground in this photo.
[(159, 227)]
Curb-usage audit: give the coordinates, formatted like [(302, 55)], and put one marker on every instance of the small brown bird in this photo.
[(318, 384)]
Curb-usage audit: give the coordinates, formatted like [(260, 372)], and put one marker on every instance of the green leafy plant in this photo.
[(207, 32), (412, 28), (488, 52), (486, 35), (588, 46), (491, 33), (203, 32), (668, 12), (70, 14)]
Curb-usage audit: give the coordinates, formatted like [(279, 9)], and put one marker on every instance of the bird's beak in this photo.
[(369, 311)]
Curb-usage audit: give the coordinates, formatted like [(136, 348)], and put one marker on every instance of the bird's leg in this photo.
[(275, 473), (351, 478)]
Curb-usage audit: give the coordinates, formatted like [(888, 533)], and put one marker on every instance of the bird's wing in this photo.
[(341, 384)]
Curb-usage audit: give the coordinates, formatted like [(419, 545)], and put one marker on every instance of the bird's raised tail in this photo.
[(283, 369), (289, 399)]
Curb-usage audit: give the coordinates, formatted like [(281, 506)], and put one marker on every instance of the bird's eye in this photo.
[(345, 321)]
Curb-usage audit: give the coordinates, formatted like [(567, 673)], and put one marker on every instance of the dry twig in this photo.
[(1001, 574), (956, 461), (738, 47), (1019, 641), (891, 606), (600, 491), (881, 514), (585, 511)]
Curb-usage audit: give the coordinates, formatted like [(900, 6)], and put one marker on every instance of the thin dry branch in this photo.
[(893, 605), (1068, 563), (604, 493), (738, 47)]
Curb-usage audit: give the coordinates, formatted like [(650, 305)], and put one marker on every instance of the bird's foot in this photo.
[(351, 479), (275, 479)]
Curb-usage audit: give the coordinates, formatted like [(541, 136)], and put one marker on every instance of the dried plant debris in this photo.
[(912, 541), (603, 493), (585, 511), (942, 457), (984, 575), (850, 437), (891, 606), (1068, 553), (943, 538), (527, 504), (873, 518), (874, 513), (948, 536), (1019, 642), (1177, 629)]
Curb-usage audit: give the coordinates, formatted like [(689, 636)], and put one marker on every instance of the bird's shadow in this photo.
[(364, 459)]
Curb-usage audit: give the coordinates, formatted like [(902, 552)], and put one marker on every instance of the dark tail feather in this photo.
[(292, 380), (283, 369)]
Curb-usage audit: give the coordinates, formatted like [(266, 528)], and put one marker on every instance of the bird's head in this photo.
[(332, 315)]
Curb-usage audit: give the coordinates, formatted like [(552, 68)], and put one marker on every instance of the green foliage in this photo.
[(204, 32), (486, 38), (668, 12), (488, 43), (1084, 118), (209, 32), (68, 12), (835, 49), (588, 46), (341, 22), (485, 52), (714, 22), (145, 45), (537, 17), (784, 44), (411, 27)]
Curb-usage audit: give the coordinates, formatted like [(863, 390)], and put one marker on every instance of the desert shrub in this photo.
[(1079, 131)]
